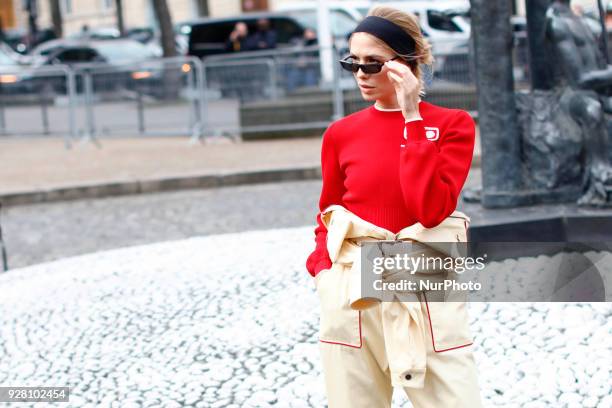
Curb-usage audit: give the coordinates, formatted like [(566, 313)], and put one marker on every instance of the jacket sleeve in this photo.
[(331, 193), (433, 174)]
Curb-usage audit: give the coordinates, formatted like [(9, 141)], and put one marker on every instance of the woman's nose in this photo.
[(361, 74)]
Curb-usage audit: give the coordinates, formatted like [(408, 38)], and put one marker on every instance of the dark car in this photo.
[(74, 51), (208, 36), (109, 57)]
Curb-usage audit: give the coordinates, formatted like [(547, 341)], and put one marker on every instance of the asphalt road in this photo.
[(45, 232)]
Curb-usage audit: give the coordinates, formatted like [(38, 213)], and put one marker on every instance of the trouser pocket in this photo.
[(449, 323), (338, 324)]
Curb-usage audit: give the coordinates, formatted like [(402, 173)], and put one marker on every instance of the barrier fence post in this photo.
[(192, 104), (2, 115), (201, 82), (338, 96), (273, 79), (44, 111), (72, 95), (2, 246), (196, 95), (90, 132)]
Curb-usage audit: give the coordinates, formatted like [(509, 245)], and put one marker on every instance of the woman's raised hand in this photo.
[(406, 88)]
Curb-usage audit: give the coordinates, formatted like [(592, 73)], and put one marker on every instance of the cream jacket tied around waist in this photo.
[(406, 324)]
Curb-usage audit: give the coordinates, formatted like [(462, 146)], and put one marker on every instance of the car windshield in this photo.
[(5, 59), (124, 51), (363, 10), (442, 20)]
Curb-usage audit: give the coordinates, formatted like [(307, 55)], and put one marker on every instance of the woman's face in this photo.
[(363, 50)]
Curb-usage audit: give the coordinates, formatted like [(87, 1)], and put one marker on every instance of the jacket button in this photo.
[(408, 376)]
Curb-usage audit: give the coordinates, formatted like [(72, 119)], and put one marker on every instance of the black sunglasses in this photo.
[(372, 68)]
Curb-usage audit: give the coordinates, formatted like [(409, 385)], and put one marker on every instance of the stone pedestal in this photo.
[(551, 143)]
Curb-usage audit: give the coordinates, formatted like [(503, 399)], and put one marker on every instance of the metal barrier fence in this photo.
[(45, 92), (281, 91), (3, 256), (245, 94), (154, 98), (273, 91)]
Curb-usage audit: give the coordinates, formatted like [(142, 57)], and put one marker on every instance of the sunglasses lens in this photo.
[(349, 66), (371, 68), (366, 68)]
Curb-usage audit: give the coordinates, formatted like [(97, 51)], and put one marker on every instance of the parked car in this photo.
[(207, 36), (442, 22), (10, 53), (108, 54), (14, 78), (18, 38), (141, 34), (355, 10), (445, 24), (73, 51), (343, 15), (97, 33)]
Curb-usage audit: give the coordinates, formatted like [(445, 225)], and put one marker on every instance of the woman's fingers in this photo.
[(394, 77), (397, 67), (401, 71)]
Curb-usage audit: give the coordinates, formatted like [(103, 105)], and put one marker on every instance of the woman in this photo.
[(398, 162)]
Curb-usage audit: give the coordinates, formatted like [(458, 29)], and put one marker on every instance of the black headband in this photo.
[(389, 32)]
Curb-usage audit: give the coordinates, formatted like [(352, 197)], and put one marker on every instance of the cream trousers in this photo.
[(369, 347)]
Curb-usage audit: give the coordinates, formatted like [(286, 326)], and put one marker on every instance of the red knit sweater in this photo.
[(393, 173)]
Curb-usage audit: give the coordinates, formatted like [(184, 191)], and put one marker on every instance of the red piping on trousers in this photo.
[(345, 344), (433, 342)]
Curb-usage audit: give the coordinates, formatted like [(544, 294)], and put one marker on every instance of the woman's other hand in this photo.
[(406, 88)]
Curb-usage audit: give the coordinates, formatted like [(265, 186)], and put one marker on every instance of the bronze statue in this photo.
[(584, 79)]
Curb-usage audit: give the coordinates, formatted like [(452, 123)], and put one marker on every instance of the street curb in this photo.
[(197, 181), (119, 188)]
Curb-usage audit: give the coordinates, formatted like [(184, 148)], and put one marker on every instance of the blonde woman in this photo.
[(399, 162)]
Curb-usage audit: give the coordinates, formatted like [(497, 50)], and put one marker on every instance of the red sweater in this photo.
[(393, 173)]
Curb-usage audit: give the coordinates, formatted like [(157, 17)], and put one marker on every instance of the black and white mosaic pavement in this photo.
[(231, 321)]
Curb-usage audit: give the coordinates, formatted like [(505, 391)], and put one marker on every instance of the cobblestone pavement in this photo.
[(231, 321), (44, 232)]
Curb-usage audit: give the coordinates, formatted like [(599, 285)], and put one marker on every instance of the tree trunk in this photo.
[(119, 12), (203, 10), (56, 18), (172, 74), (32, 26), (164, 21)]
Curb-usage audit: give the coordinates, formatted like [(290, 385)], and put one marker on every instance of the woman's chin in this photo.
[(368, 96)]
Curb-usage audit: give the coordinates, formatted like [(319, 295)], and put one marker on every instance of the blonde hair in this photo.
[(410, 24)]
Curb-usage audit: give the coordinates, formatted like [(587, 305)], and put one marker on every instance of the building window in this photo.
[(108, 4)]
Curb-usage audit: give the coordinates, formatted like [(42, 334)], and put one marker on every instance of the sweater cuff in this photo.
[(414, 131), (413, 119)]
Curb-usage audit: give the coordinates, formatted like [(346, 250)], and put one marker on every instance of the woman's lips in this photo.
[(366, 87)]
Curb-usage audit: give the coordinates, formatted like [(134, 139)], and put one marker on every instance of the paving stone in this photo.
[(215, 318)]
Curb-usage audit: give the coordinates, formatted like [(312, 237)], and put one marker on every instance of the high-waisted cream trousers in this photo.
[(369, 347)]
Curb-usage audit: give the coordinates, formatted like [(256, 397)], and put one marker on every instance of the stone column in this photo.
[(497, 116)]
